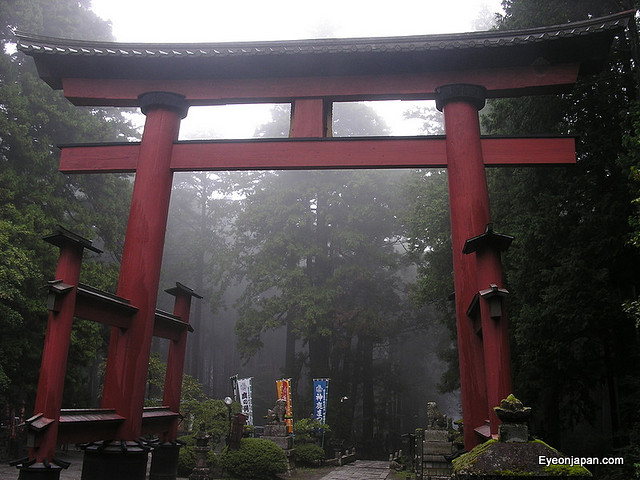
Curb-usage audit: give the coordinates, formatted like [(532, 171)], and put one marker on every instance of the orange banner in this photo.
[(284, 391)]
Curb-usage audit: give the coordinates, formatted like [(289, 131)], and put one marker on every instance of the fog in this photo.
[(210, 249)]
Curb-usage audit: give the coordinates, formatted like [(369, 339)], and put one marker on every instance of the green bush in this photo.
[(309, 454), (309, 430), (187, 460), (256, 459)]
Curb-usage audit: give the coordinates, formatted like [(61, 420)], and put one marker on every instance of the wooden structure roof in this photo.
[(585, 43)]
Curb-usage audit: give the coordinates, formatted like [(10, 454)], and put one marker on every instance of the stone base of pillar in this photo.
[(123, 460), (30, 470), (39, 472), (164, 461)]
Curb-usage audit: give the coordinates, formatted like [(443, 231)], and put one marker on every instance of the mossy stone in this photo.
[(494, 460)]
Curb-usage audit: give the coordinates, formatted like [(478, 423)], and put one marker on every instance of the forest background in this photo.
[(348, 274)]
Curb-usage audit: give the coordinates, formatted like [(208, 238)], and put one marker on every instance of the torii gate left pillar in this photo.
[(127, 362), (483, 345)]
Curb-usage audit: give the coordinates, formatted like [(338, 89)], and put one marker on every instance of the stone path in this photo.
[(360, 470)]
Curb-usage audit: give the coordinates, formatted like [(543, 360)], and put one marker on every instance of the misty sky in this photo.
[(168, 21), (215, 20)]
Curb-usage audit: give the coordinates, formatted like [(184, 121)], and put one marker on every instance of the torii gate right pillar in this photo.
[(485, 372)]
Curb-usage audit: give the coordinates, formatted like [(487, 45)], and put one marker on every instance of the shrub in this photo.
[(309, 453), (187, 460), (311, 430), (256, 459)]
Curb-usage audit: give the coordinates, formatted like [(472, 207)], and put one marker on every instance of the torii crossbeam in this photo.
[(459, 71)]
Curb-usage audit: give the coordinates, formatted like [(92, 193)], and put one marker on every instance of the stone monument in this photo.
[(436, 446), (276, 430), (201, 470), (514, 455)]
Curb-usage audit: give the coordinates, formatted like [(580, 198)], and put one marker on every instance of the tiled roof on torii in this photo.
[(587, 42)]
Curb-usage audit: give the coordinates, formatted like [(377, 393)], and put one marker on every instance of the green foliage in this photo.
[(195, 407), (570, 224), (213, 413), (256, 459), (310, 426), (631, 158), (309, 430), (155, 380), (55, 18), (631, 454), (197, 246), (520, 14), (309, 454), (34, 197), (317, 249), (571, 267), (187, 460)]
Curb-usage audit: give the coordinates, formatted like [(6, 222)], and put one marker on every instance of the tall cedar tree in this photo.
[(318, 254), (34, 197)]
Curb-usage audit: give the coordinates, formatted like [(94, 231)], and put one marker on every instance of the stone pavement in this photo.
[(360, 470)]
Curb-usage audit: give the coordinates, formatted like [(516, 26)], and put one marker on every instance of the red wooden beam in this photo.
[(87, 425), (101, 307), (309, 118), (170, 326), (116, 158), (326, 153), (158, 419), (500, 82), (175, 359)]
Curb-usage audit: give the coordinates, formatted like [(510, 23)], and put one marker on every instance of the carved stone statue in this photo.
[(435, 419), (276, 416)]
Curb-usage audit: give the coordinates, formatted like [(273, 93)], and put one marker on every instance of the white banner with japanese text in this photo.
[(245, 394)]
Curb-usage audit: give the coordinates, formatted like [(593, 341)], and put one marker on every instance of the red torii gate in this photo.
[(458, 70)]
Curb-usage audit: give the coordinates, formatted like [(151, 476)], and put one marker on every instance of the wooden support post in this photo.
[(492, 315), (469, 207), (128, 358), (129, 349), (42, 428), (495, 331), (310, 118), (175, 359), (164, 459)]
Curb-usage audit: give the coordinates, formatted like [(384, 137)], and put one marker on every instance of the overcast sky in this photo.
[(214, 20), (160, 21)]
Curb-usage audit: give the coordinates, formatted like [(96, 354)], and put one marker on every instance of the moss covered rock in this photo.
[(494, 460)]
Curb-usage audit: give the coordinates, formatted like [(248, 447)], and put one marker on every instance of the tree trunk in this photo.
[(319, 353), (367, 395)]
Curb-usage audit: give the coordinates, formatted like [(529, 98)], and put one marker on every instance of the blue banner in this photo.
[(320, 395)]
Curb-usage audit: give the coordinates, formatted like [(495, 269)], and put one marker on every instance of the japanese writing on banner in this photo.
[(245, 392), (284, 392), (234, 387), (320, 395)]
